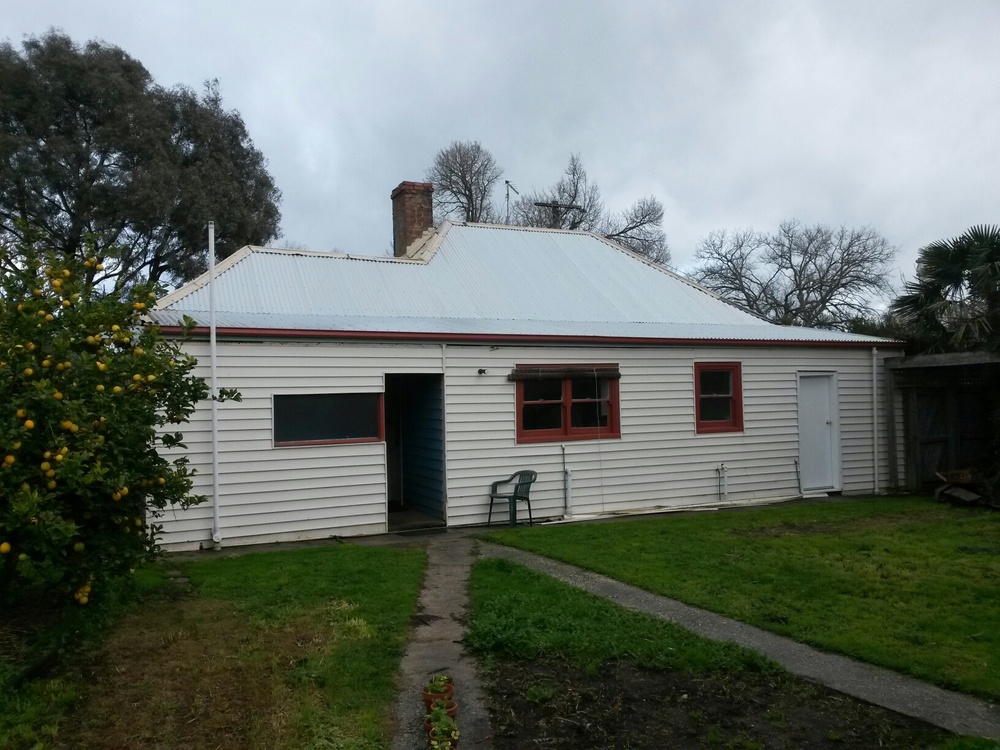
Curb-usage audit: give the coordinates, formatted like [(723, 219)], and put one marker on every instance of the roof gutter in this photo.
[(517, 338)]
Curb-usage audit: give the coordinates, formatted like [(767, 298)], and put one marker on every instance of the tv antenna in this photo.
[(510, 186), (556, 216)]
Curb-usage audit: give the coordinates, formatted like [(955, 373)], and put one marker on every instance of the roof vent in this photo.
[(412, 214)]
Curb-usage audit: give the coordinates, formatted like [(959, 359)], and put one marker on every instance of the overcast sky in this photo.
[(732, 113)]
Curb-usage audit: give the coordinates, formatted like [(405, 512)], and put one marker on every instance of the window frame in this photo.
[(565, 374), (380, 438), (735, 424)]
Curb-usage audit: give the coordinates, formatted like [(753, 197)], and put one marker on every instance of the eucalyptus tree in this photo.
[(98, 158)]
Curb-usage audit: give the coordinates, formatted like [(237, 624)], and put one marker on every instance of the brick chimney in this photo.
[(412, 214)]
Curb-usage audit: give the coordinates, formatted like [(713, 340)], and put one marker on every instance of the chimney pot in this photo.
[(412, 214)]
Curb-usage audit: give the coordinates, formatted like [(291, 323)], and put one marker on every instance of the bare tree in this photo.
[(464, 175), (575, 203), (814, 276), (639, 229)]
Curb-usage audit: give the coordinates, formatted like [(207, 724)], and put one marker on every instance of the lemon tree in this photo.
[(87, 397)]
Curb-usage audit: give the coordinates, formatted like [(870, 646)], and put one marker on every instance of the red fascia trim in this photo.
[(515, 338)]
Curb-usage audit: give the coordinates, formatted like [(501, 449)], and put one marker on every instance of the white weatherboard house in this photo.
[(372, 384)]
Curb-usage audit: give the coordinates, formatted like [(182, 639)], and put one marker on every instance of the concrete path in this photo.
[(957, 713), (436, 647)]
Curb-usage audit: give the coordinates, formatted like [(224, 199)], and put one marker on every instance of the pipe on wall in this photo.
[(722, 472), (214, 391), (877, 487), (567, 488)]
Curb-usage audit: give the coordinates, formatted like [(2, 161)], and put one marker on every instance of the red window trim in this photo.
[(731, 425), (336, 441), (566, 432)]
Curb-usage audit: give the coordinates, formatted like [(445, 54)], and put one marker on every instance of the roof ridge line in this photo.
[(201, 281)]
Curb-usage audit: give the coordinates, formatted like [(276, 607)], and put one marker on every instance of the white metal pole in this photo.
[(875, 415), (214, 389)]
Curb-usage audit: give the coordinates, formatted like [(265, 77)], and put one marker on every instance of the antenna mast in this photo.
[(556, 217), (510, 186)]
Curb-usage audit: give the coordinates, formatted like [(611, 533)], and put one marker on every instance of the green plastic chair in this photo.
[(522, 485)]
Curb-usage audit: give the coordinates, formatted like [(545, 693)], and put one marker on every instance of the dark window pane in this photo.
[(328, 416), (591, 414), (585, 387), (542, 390), (542, 417), (716, 409), (716, 383)]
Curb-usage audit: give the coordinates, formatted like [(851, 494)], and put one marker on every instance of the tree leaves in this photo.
[(954, 303), (93, 150)]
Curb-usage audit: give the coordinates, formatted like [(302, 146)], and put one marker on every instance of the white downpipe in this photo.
[(214, 390), (444, 435), (875, 416), (567, 488)]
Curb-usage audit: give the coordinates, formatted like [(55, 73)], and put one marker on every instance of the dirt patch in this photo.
[(854, 524), (549, 704), (189, 674)]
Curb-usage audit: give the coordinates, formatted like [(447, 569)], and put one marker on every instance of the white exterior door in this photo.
[(819, 432)]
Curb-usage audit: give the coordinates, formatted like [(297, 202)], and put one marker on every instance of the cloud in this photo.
[(733, 113)]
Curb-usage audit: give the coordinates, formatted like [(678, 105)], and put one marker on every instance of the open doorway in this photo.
[(414, 448)]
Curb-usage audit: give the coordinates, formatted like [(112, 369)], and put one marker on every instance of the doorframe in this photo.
[(392, 382), (834, 395)]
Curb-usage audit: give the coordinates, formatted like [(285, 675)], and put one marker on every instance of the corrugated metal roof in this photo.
[(474, 279)]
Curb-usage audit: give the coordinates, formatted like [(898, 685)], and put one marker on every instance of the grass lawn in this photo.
[(295, 649), (906, 583), (570, 670)]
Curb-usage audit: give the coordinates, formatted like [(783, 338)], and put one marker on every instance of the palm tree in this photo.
[(954, 303)]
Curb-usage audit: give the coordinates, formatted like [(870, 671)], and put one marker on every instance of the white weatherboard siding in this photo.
[(659, 461), (274, 494), (289, 493)]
